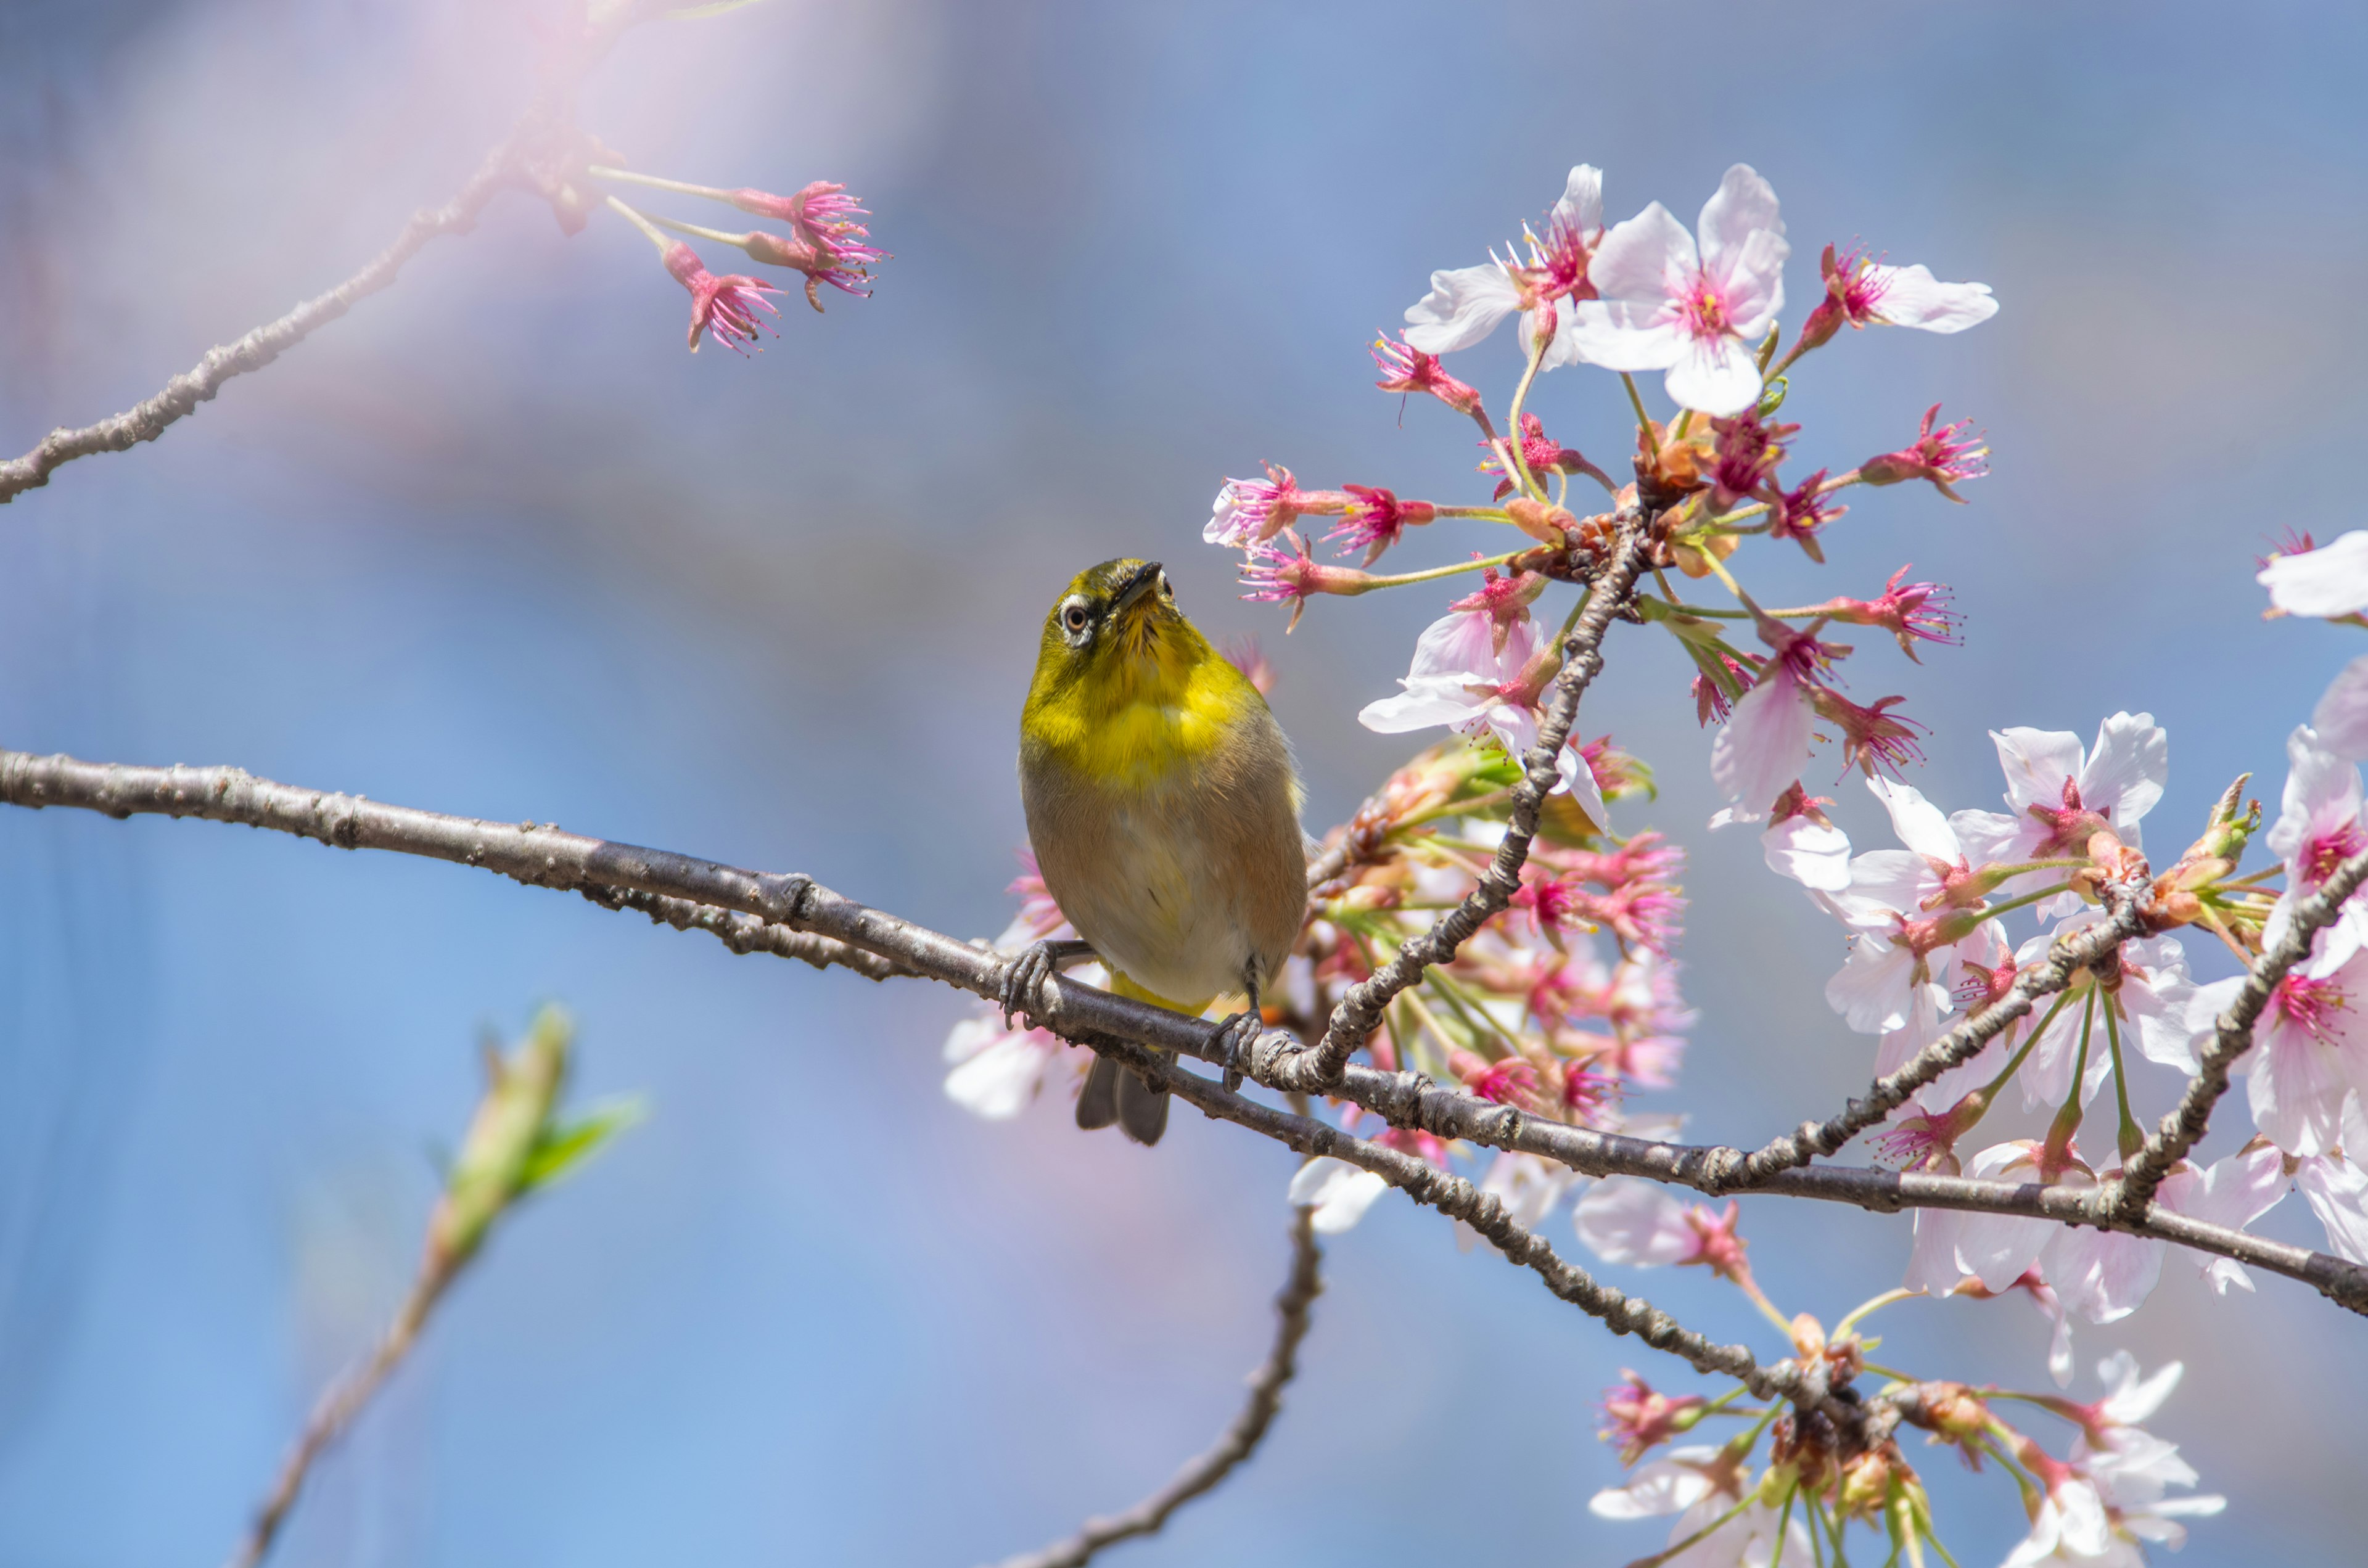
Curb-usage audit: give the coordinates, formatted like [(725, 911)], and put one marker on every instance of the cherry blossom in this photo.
[(1251, 511), (2156, 1003), (2319, 828), (2329, 581), (2059, 794), (1699, 313), (1337, 1192), (2336, 1191), (1407, 370), (1911, 910), (1945, 457), (997, 1070), (1800, 843), (725, 306), (1758, 754), (1640, 1418), (2340, 720), (2310, 1050), (1465, 304), (1863, 292), (1477, 671), (2235, 1192), (1624, 1219)]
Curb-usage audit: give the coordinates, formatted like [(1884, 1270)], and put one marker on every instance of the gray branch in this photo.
[(2068, 955), (1240, 1440), (533, 157), (2133, 1195), (543, 855), (1289, 1066)]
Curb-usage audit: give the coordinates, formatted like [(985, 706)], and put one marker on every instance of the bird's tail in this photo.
[(1114, 1093)]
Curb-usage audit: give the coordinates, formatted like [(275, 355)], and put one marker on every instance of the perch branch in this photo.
[(1299, 1289)]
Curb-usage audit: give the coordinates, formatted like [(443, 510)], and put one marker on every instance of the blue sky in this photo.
[(494, 544)]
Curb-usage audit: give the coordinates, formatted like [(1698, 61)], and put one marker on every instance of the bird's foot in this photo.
[(1023, 979), (1235, 1037)]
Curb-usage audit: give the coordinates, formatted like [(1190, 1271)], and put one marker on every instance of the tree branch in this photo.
[(1309, 1070), (2129, 1198), (338, 1407), (1299, 1289), (2067, 957), (543, 856), (534, 157)]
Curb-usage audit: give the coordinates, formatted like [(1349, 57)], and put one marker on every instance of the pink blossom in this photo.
[(1862, 292), (1292, 576), (824, 216), (1375, 519), (1337, 1192), (1947, 456), (1919, 610), (997, 1070), (1802, 843), (1464, 304), (1481, 668), (2336, 1191), (2340, 719), (1744, 456), (1797, 514), (1528, 1187), (1406, 369), (1039, 916), (725, 306), (1874, 739), (1758, 754), (1639, 1417), (2234, 1192), (2310, 1049), (2319, 828), (2060, 794), (2331, 581), (1251, 511), (1908, 907), (1698, 313), (2158, 1006)]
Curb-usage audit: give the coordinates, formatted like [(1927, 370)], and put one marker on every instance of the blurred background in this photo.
[(495, 545)]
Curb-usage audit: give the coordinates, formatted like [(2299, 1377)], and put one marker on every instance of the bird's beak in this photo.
[(1130, 592)]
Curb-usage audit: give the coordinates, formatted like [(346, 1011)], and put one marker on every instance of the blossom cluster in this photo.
[(1565, 1005)]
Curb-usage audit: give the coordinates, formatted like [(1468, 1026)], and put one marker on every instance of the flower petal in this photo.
[(1463, 306), (2331, 580), (1911, 296)]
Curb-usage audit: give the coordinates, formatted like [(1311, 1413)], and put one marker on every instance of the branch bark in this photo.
[(532, 157), (1238, 1441), (543, 855), (2130, 1197), (1286, 1064), (2065, 959)]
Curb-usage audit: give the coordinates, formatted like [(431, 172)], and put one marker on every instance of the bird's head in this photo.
[(1117, 630)]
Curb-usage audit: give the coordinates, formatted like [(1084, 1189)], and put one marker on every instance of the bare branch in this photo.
[(2067, 957), (1299, 1289), (1308, 1070), (335, 1412), (2133, 1195), (546, 856), (533, 157)]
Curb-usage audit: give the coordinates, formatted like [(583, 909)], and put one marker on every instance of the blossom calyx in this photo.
[(1406, 369), (1639, 1417)]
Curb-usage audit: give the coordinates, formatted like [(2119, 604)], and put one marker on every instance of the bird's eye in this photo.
[(1074, 618)]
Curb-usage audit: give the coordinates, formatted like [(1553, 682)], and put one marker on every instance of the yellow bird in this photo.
[(1164, 810)]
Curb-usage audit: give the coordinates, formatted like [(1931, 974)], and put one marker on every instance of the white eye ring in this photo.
[(1074, 617), (1166, 590)]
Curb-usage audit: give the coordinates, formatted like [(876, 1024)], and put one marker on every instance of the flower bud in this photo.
[(491, 1170)]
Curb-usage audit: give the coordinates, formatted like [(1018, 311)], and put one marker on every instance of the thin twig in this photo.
[(1299, 1289), (2130, 1197), (2123, 920), (1309, 1070), (532, 157), (338, 1407), (547, 857)]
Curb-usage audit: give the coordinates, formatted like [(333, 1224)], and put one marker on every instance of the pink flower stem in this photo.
[(601, 172), (644, 224), (679, 227)]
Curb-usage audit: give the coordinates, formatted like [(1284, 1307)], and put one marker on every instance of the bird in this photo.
[(1163, 806)]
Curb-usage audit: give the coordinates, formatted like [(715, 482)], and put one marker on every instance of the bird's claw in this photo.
[(1023, 979), (1024, 976), (1237, 1035)]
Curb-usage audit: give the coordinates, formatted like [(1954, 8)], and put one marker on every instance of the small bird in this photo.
[(1163, 809)]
